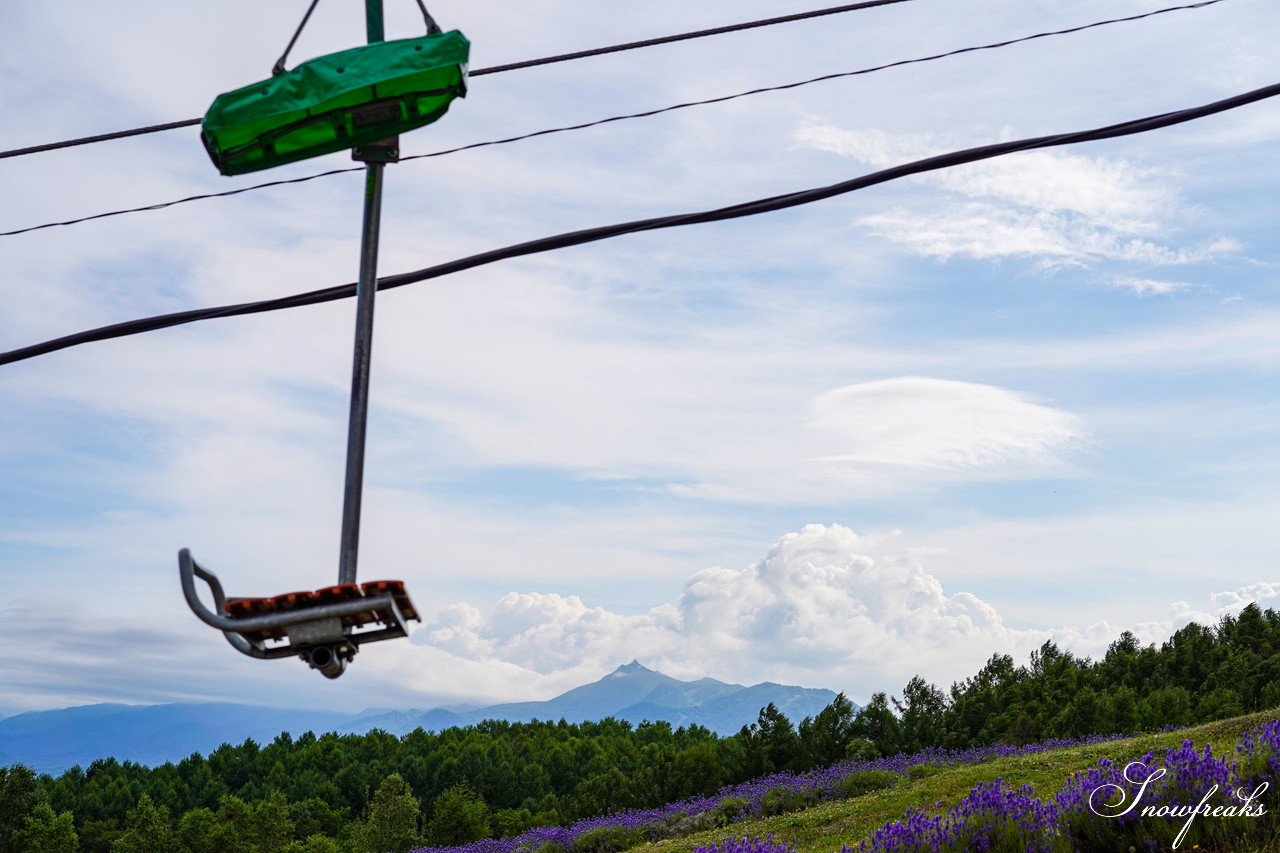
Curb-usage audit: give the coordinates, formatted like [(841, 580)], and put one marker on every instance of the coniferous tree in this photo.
[(19, 795), (825, 737), (392, 824), (314, 816), (47, 832), (1170, 706), (1022, 730), (197, 832), (147, 829), (235, 829), (458, 816), (920, 715), (319, 844), (1121, 713), (96, 836), (606, 792), (697, 770), (272, 824), (777, 739), (876, 724)]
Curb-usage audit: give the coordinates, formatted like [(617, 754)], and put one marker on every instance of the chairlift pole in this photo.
[(375, 157), (358, 100)]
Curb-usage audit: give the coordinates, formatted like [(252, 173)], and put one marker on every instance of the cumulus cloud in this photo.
[(817, 606), (823, 608), (1093, 639), (818, 609), (939, 423), (1055, 207), (1223, 604), (546, 632)]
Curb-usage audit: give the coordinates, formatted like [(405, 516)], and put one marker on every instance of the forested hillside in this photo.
[(57, 740), (332, 792)]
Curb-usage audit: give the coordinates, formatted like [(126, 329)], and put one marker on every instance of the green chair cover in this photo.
[(335, 102)]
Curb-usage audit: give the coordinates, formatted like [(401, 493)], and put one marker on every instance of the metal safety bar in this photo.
[(325, 634)]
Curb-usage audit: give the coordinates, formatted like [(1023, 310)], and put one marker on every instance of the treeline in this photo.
[(1198, 675), (376, 792)]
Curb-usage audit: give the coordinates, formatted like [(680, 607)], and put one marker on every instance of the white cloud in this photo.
[(988, 232), (1093, 639), (818, 609), (938, 423), (1098, 188), (1224, 603), (547, 632), (1053, 206), (823, 608), (1145, 286)]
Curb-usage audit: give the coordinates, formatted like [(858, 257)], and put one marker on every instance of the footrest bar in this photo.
[(325, 627)]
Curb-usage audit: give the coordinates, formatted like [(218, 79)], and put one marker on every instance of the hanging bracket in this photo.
[(383, 151)]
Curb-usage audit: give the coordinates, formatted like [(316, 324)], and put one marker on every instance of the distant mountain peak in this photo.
[(631, 668)]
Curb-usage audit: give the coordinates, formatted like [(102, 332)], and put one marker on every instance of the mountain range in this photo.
[(53, 741)]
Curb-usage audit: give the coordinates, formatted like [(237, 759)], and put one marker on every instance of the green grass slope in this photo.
[(826, 827)]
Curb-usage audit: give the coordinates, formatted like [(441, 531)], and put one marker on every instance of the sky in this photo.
[(886, 434)]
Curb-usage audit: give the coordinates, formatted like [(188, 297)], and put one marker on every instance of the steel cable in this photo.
[(589, 235), (528, 63), (598, 122)]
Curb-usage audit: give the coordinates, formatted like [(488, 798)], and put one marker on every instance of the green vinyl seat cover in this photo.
[(334, 102)]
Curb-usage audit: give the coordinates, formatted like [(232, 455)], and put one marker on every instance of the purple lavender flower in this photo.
[(1258, 775), (1148, 804), (993, 817), (1259, 751)]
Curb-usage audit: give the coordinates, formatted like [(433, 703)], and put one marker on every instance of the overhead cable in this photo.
[(596, 123), (589, 235), (715, 31), (496, 69)]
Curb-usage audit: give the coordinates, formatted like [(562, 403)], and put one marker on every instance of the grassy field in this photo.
[(826, 827)]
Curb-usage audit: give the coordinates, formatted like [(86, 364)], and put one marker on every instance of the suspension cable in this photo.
[(528, 63), (589, 235), (596, 123)]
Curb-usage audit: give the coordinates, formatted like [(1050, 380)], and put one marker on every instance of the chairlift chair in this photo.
[(324, 628), (360, 99)]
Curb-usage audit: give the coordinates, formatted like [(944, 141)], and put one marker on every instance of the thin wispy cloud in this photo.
[(1055, 208), (1149, 286)]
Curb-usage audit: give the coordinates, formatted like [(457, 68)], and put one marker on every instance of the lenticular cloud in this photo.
[(942, 424)]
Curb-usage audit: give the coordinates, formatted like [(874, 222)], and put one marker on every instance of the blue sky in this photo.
[(885, 434)]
